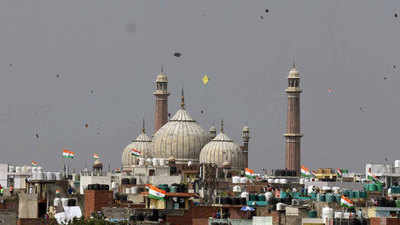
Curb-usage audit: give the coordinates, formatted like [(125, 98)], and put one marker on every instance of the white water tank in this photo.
[(283, 181), (336, 190), (40, 169), (237, 188), (268, 195), (326, 188), (40, 176), (58, 175), (114, 185), (327, 212), (18, 169), (306, 180), (64, 202), (57, 201), (127, 190), (301, 181), (141, 161), (243, 180), (134, 190), (280, 206), (338, 214), (270, 181), (276, 181), (155, 162), (11, 169), (244, 194), (162, 162), (396, 163), (235, 179), (51, 176)]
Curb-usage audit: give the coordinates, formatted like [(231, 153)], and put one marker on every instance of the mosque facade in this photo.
[(181, 139)]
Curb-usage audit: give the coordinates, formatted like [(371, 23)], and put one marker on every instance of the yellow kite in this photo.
[(205, 79)]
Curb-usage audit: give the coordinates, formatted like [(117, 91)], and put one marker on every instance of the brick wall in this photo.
[(95, 200), (385, 221), (263, 211), (200, 221), (27, 221), (199, 212)]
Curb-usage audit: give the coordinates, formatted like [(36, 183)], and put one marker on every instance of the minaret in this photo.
[(161, 104), (245, 147), (293, 135)]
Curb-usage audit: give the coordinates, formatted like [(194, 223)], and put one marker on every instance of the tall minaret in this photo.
[(161, 104), (293, 135), (245, 147)]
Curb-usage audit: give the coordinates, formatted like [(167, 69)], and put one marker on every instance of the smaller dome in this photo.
[(97, 164), (143, 144), (293, 73), (171, 158), (245, 129), (212, 129), (162, 78), (222, 151)]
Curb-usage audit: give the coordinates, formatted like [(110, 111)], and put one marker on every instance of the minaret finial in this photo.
[(222, 126), (294, 63), (182, 100), (143, 127), (162, 68)]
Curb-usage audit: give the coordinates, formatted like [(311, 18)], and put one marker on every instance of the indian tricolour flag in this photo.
[(305, 172), (68, 154), (249, 173), (372, 177), (34, 163), (344, 201), (339, 172), (155, 193), (96, 156), (135, 152)]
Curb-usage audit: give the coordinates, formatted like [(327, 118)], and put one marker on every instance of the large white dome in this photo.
[(181, 138)]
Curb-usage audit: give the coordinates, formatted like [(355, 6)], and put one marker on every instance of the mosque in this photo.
[(182, 140)]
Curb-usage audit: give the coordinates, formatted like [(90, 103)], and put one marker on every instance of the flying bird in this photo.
[(177, 54), (37, 136), (261, 17)]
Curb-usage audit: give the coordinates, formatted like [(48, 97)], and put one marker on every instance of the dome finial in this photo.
[(222, 126), (162, 68), (143, 127), (182, 100)]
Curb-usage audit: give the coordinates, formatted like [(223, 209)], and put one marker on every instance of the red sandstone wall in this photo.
[(97, 199)]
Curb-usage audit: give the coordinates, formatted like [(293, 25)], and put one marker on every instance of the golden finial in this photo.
[(162, 69), (222, 126)]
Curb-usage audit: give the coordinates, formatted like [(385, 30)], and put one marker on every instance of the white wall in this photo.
[(86, 180)]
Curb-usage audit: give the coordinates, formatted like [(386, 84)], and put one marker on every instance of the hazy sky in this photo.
[(116, 48)]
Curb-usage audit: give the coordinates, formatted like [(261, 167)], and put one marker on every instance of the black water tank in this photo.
[(96, 186), (71, 202)]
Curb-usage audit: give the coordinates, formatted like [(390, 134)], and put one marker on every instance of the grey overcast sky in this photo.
[(116, 48)]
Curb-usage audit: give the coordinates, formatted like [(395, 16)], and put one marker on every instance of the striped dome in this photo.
[(222, 150), (143, 144), (181, 138)]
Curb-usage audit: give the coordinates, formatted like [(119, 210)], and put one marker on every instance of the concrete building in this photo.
[(97, 176), (293, 135)]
